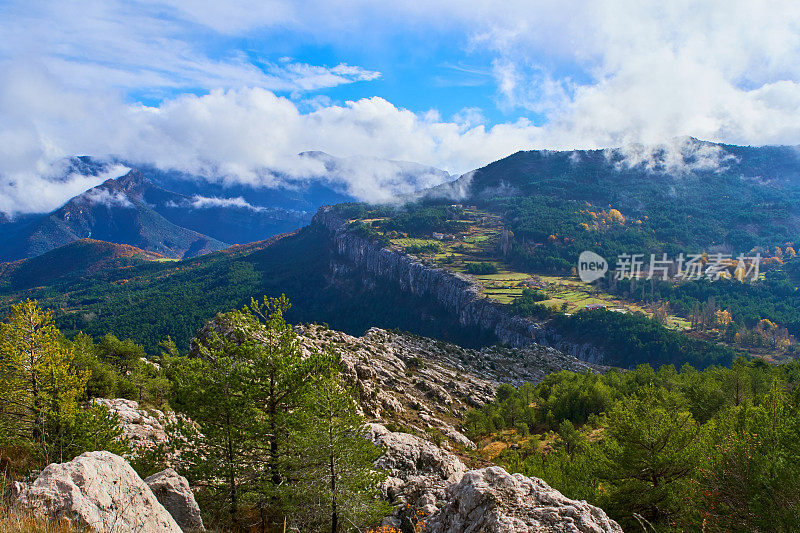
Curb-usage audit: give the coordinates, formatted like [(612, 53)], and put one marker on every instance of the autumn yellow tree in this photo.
[(39, 387), (616, 216), (723, 317)]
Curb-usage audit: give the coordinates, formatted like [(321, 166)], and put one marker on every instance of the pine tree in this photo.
[(337, 483), (651, 448), (213, 392), (283, 375), (39, 387), (243, 392)]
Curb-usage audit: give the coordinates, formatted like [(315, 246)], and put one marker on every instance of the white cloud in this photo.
[(106, 197), (592, 74), (205, 202), (134, 46), (678, 155), (610, 73), (46, 187)]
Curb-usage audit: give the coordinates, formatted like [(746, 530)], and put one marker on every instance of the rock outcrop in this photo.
[(406, 456), (491, 500), (174, 493), (432, 489), (98, 491), (144, 429), (419, 474), (427, 385)]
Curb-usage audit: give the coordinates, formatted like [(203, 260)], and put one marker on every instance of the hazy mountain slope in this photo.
[(180, 214), (238, 212), (676, 163), (115, 211)]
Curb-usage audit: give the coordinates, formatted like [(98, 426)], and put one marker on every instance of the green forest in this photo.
[(661, 450)]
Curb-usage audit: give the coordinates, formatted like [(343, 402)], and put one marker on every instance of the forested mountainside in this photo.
[(705, 196), (521, 223), (324, 268), (482, 273), (148, 300)]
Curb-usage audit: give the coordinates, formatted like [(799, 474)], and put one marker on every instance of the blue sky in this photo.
[(419, 71), (235, 90), (415, 73)]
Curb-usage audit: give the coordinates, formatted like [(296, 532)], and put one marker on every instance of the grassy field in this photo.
[(480, 244)]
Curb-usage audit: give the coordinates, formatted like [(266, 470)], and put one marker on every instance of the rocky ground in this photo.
[(414, 391), (424, 385), (431, 488), (144, 429)]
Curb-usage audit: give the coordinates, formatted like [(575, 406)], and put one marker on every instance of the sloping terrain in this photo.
[(115, 211), (75, 260), (151, 300)]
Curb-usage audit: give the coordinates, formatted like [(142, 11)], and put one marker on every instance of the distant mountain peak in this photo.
[(132, 180)]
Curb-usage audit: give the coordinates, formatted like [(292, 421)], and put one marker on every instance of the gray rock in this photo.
[(407, 455), (419, 471), (491, 500), (98, 491), (17, 488), (175, 494), (144, 429)]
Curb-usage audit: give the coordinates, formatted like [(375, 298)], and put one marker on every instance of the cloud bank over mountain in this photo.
[(178, 85)]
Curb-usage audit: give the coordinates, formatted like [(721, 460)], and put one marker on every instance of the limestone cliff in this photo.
[(455, 293)]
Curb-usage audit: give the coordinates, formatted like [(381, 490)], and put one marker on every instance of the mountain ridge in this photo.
[(179, 214), (114, 211)]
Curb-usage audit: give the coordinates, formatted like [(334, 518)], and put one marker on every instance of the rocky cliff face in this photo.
[(455, 293)]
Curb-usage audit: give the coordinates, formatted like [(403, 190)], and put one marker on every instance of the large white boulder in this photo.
[(175, 494), (98, 491), (491, 500)]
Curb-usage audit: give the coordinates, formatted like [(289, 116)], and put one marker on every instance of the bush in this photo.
[(482, 268), (534, 295), (426, 248)]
